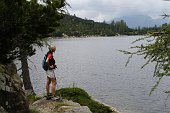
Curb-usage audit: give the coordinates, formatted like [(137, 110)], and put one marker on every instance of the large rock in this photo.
[(65, 106), (72, 107), (12, 97), (2, 110)]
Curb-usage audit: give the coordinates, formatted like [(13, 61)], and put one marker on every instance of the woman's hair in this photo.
[(52, 47)]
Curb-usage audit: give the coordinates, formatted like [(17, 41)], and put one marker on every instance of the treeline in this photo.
[(145, 30), (74, 26)]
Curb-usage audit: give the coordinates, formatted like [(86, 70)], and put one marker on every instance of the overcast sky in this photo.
[(100, 10)]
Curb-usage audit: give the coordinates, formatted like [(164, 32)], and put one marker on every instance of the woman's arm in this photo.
[(47, 62)]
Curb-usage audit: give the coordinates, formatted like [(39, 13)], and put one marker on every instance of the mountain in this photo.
[(142, 21)]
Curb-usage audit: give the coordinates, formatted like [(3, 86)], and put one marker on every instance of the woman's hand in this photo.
[(52, 67)]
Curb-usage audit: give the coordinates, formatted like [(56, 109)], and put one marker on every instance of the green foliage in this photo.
[(80, 96), (74, 26), (24, 23), (33, 98), (145, 30)]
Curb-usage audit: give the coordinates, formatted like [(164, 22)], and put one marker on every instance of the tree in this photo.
[(23, 24), (156, 50)]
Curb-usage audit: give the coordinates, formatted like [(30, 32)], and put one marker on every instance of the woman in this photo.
[(50, 73)]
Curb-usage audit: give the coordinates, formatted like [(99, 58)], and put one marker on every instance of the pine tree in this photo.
[(23, 24)]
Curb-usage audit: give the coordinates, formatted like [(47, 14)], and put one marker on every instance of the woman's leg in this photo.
[(53, 86), (48, 85)]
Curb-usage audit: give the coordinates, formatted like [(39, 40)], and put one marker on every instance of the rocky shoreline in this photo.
[(14, 98), (64, 106)]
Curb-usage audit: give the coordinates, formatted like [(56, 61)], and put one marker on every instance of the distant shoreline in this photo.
[(72, 37)]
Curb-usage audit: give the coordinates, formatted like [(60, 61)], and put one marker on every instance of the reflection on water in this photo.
[(96, 65)]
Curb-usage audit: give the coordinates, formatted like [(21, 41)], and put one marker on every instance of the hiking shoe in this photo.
[(49, 96), (55, 98)]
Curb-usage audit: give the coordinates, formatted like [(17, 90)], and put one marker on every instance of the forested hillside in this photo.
[(74, 26)]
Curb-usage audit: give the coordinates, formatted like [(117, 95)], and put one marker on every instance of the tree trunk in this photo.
[(25, 73)]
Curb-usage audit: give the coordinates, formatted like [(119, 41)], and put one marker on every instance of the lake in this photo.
[(96, 65)]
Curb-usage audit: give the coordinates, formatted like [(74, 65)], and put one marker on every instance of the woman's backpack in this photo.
[(44, 65)]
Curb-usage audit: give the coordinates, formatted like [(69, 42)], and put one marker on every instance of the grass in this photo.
[(80, 96), (32, 98)]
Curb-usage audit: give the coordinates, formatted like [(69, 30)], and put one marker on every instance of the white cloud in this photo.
[(100, 10)]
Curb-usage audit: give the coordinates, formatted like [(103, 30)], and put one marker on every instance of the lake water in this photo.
[(96, 65)]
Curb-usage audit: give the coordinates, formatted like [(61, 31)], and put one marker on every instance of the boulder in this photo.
[(64, 106), (13, 99), (2, 110), (72, 107)]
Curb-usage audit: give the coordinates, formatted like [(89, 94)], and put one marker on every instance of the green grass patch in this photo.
[(32, 98), (81, 96)]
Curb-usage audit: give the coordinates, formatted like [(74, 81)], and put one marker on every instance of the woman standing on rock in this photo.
[(50, 73)]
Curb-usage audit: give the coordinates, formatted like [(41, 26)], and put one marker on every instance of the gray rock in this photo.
[(74, 109), (17, 81), (28, 92), (2, 110), (12, 97), (49, 106)]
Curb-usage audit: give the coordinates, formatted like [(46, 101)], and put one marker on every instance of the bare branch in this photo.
[(33, 64), (165, 15)]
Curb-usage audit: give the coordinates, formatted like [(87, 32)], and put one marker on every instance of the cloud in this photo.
[(100, 10)]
